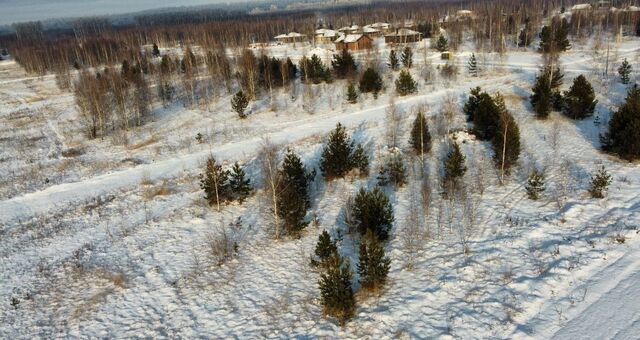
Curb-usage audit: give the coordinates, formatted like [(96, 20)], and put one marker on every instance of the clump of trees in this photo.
[(344, 66), (393, 171), (221, 186), (554, 38), (623, 137), (546, 91), (341, 155), (314, 70)]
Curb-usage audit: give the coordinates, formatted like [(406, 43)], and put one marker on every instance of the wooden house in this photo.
[(402, 36), (353, 42)]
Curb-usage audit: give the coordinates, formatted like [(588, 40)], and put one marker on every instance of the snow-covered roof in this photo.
[(581, 7), (326, 32), (349, 38), (378, 25), (633, 9), (289, 35), (350, 28), (464, 12), (370, 30), (404, 32)]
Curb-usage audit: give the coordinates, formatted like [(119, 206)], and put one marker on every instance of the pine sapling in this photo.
[(352, 95), (535, 185), (239, 103), (599, 183)]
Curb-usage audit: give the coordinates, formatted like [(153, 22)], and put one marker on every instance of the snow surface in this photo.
[(89, 246)]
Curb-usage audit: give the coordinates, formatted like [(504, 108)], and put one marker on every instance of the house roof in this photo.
[(289, 35), (581, 6), (350, 38), (403, 32), (370, 30), (378, 25), (349, 28), (326, 32)]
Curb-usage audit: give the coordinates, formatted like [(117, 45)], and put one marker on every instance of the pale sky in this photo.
[(29, 10)]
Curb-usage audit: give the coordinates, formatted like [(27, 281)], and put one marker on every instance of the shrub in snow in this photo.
[(623, 137), (370, 82), (535, 185), (326, 248), (580, 101), (293, 197), (405, 84), (373, 265), (336, 294), (373, 212), (407, 57), (599, 183), (624, 71), (340, 155), (352, 95), (420, 137), (239, 103), (393, 172)]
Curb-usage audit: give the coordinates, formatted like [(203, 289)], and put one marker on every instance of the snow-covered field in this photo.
[(109, 237)]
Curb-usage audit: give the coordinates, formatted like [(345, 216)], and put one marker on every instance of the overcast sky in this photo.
[(28, 10)]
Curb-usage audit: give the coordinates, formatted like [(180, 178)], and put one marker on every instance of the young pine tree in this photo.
[(352, 95), (580, 101), (623, 137), (373, 265), (393, 172), (405, 84), (373, 212), (599, 183), (420, 137), (326, 248), (215, 184), (239, 185), (535, 184), (442, 44), (293, 199), (546, 91), (335, 160), (407, 57), (625, 72), (546, 40), (394, 63), (344, 65), (560, 37), (239, 103), (371, 82), (360, 161), (454, 167), (506, 141), (156, 51), (524, 39), (336, 294), (472, 66), (471, 106)]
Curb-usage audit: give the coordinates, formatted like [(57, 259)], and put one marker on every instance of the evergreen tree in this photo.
[(638, 28), (442, 44), (624, 71), (535, 185), (314, 70), (336, 294), (420, 137), (239, 103), (623, 137), (360, 161), (325, 249), (373, 212), (506, 141), (371, 82), (373, 265), (580, 101), (335, 161), (343, 64), (238, 184), (473, 65), (352, 95), (546, 39), (393, 172), (394, 63), (214, 182), (471, 106), (405, 84), (293, 198), (407, 57), (486, 117), (546, 91), (599, 183), (156, 51), (524, 39), (454, 167), (561, 34)]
